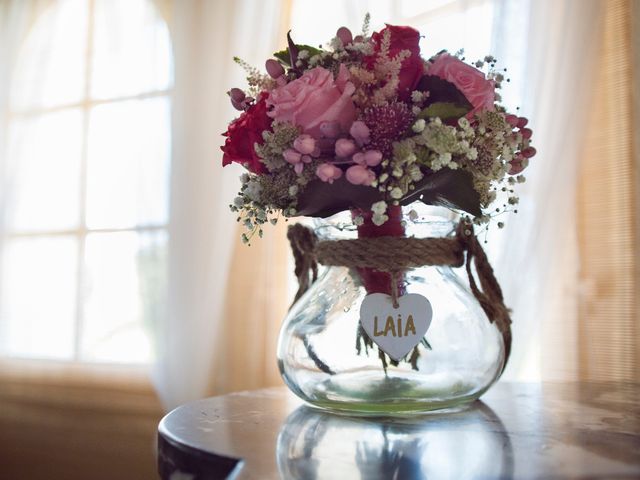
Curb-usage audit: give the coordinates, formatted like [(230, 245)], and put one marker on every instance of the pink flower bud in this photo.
[(238, 105), (237, 94), (344, 34), (328, 172), (511, 120), (528, 152), (522, 122), (330, 129), (274, 69), (360, 132), (298, 168), (526, 133), (359, 175), (291, 156), (359, 158), (372, 157), (305, 144), (517, 165), (238, 98), (345, 147), (306, 159)]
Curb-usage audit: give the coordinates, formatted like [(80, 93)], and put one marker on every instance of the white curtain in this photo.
[(554, 43), (206, 35)]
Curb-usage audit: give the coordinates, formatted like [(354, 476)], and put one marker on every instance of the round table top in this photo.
[(521, 430)]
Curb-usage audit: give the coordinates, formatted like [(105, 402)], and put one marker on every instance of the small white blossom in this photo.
[(419, 125), (238, 202), (415, 173), (359, 220), (261, 215), (417, 96), (378, 219), (445, 158), (252, 190), (379, 207), (396, 193)]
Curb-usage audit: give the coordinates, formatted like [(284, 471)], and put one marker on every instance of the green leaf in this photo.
[(442, 91), (321, 199), (448, 188), (285, 57), (444, 110)]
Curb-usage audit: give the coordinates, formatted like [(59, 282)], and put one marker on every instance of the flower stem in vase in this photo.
[(374, 281)]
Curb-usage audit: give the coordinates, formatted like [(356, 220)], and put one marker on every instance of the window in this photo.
[(86, 181)]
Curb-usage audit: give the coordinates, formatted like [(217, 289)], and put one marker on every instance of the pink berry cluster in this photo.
[(351, 150), (521, 158)]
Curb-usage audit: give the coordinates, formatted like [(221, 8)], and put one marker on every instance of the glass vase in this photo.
[(324, 359)]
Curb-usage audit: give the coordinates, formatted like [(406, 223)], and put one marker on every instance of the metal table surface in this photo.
[(517, 430)]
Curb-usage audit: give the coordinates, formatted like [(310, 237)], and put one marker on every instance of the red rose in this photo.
[(243, 133), (402, 38)]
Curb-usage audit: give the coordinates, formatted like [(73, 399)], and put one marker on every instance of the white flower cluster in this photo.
[(379, 210)]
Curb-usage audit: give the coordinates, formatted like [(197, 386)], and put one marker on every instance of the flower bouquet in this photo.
[(370, 127)]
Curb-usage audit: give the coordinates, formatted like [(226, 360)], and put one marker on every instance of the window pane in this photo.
[(128, 171), (132, 52), (467, 28), (44, 169), (51, 64), (38, 293), (124, 294)]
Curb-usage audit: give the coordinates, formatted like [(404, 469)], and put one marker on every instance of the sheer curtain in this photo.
[(195, 332), (536, 257)]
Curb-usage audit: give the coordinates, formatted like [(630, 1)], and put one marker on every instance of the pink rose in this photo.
[(469, 80), (314, 99)]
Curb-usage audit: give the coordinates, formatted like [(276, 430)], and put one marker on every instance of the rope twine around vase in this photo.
[(392, 255)]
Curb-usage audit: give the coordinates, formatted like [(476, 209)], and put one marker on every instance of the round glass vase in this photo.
[(324, 360)]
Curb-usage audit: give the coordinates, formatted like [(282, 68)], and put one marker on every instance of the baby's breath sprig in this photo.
[(256, 80)]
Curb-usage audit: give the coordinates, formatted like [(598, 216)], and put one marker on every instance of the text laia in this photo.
[(397, 328)]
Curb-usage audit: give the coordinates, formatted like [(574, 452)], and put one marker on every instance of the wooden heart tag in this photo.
[(396, 330)]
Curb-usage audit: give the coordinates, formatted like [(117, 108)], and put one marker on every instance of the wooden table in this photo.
[(547, 430)]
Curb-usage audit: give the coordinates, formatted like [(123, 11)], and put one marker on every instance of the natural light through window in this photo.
[(87, 179)]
